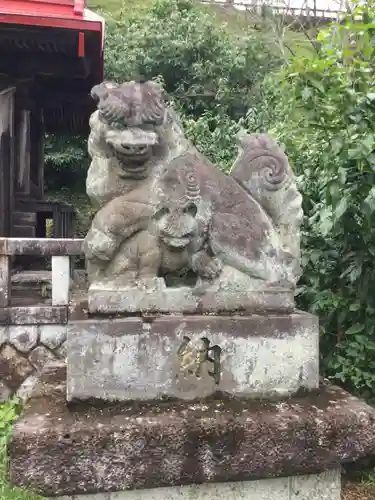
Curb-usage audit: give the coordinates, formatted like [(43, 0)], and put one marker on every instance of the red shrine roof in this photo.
[(58, 46), (50, 13)]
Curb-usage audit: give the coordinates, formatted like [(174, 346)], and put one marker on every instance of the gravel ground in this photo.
[(354, 491)]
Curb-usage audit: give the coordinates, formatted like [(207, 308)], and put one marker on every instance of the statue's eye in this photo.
[(191, 209)]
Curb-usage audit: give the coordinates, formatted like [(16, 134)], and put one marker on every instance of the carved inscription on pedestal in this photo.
[(200, 359)]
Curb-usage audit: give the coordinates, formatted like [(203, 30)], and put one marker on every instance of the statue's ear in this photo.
[(191, 209), (242, 138), (101, 91)]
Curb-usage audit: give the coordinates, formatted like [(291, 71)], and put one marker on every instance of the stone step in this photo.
[(32, 283), (80, 449), (39, 283)]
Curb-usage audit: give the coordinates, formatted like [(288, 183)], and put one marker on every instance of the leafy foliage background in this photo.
[(319, 104), (324, 113)]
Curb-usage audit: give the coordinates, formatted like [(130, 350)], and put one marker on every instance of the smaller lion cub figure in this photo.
[(182, 228)]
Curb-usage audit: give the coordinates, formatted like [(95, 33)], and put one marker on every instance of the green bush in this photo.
[(66, 163), (214, 135), (211, 77), (324, 113), (203, 65)]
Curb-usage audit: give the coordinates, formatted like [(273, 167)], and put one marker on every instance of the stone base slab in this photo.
[(326, 486), (158, 298), (189, 357), (56, 451)]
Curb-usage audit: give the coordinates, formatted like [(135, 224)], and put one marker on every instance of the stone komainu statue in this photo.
[(164, 208)]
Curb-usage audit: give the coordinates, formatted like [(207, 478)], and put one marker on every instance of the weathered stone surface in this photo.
[(4, 316), (24, 391), (5, 284), (31, 280), (33, 315), (25, 350), (60, 280), (220, 242), (5, 392), (40, 356), (78, 308), (45, 247), (3, 335), (52, 336), (14, 368), (192, 356), (325, 486), (62, 351), (23, 338), (60, 451), (159, 298)]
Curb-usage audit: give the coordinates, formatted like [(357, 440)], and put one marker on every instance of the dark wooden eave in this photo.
[(61, 77)]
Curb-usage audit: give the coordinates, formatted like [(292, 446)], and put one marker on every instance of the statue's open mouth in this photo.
[(134, 151), (176, 242), (135, 161), (132, 144)]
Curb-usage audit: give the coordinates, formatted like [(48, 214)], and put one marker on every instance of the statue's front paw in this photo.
[(213, 269), (99, 246), (206, 266)]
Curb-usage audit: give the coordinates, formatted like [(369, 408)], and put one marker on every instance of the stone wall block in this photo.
[(52, 336), (24, 337), (62, 351), (25, 389), (14, 367), (40, 356), (36, 315), (3, 335), (5, 392)]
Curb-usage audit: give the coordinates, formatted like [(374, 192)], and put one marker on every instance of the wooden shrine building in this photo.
[(51, 55)]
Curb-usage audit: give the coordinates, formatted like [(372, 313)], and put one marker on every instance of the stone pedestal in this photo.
[(156, 297), (324, 486), (190, 357), (57, 451)]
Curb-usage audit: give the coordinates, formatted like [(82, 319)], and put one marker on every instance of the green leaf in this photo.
[(341, 208), (306, 93), (357, 328), (355, 307), (369, 202)]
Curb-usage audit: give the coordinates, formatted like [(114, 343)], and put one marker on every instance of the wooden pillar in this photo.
[(37, 153), (23, 152), (6, 160)]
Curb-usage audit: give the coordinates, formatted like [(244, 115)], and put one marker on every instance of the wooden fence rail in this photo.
[(259, 6), (61, 251)]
